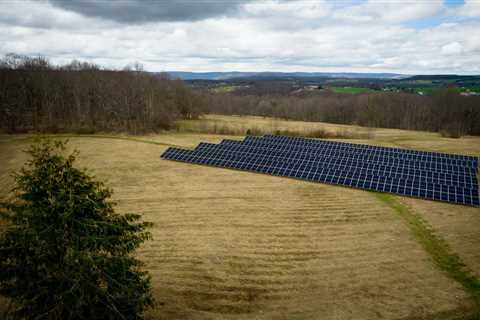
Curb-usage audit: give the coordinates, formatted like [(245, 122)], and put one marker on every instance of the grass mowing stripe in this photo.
[(55, 136), (441, 253)]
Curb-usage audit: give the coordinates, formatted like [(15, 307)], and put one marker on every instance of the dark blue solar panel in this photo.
[(468, 161), (304, 165), (343, 166), (392, 152), (422, 154), (366, 155), (430, 168)]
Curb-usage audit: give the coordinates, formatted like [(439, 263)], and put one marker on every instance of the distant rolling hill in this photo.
[(445, 77), (280, 75)]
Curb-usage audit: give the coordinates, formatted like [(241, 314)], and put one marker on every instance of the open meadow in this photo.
[(236, 245)]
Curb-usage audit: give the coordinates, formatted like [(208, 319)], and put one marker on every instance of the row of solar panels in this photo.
[(363, 157), (425, 177), (423, 156), (300, 140), (343, 162)]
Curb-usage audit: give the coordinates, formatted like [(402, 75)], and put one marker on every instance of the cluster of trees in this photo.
[(447, 111), (82, 97), (65, 254)]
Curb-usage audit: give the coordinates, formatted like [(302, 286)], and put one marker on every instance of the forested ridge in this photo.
[(36, 95), (447, 111), (82, 97)]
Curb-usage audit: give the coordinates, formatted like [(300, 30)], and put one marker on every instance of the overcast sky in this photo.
[(413, 37)]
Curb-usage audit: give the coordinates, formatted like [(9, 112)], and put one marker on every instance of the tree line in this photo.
[(446, 112), (81, 97)]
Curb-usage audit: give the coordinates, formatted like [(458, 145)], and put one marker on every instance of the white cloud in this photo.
[(318, 36), (376, 11), (471, 8), (452, 48), (41, 14), (289, 10)]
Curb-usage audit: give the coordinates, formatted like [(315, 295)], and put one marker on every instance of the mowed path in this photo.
[(236, 245)]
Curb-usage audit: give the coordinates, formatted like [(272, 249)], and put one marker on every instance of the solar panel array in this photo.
[(428, 175)]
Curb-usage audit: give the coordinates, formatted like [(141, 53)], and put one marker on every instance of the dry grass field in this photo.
[(237, 245), (241, 125)]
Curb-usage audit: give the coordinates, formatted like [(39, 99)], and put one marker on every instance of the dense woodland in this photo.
[(447, 111), (80, 97)]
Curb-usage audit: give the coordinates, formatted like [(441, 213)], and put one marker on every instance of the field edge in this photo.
[(438, 249)]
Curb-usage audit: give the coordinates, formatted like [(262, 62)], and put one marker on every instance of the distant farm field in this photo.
[(351, 90), (237, 245)]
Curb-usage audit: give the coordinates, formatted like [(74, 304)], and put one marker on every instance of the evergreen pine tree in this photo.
[(65, 253)]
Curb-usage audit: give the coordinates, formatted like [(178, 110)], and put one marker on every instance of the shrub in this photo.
[(53, 128), (255, 131), (65, 253), (225, 130), (452, 130), (287, 133), (164, 122), (84, 130), (320, 133)]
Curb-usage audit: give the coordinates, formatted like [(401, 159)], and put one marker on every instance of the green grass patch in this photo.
[(428, 91), (350, 90), (470, 89), (432, 90), (438, 249), (223, 89)]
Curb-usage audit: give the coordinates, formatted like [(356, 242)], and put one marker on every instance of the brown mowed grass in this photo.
[(241, 125), (458, 225), (236, 245)]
